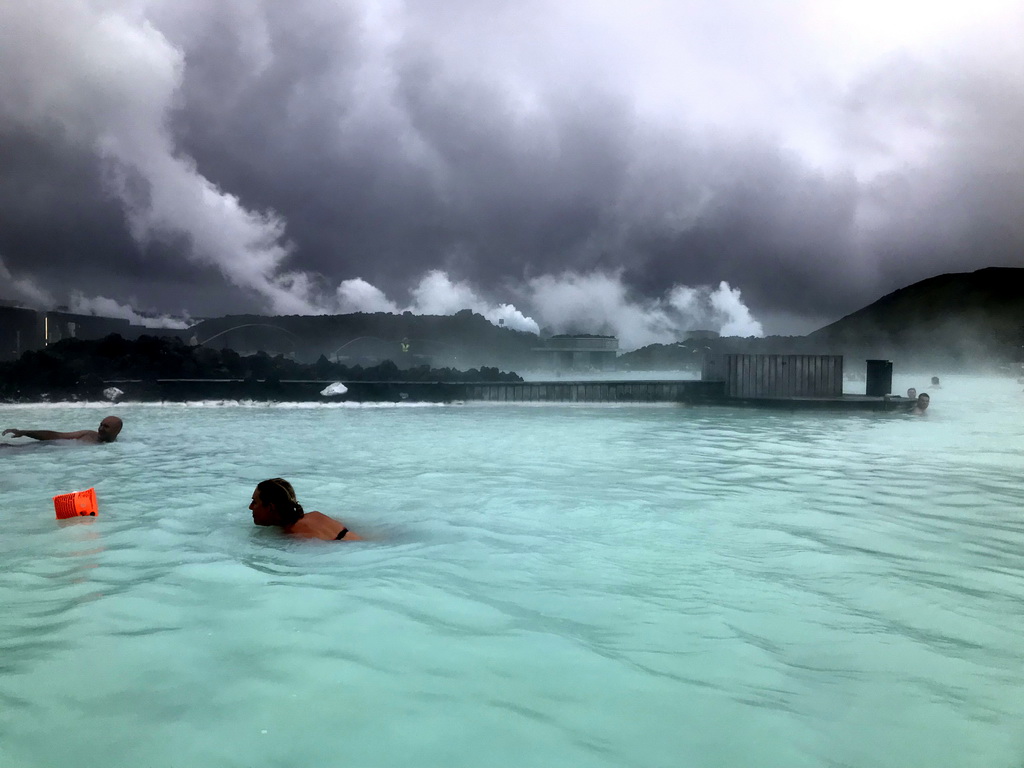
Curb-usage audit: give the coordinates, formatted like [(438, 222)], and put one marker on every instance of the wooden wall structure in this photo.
[(597, 392), (777, 376)]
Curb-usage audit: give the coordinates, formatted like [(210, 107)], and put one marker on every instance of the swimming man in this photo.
[(921, 406), (106, 433)]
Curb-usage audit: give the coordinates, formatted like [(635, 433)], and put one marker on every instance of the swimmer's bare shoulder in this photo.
[(316, 525)]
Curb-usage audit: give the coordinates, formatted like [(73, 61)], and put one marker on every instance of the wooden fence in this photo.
[(777, 376), (597, 392)]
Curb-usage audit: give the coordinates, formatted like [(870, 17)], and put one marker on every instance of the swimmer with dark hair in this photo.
[(274, 503), (921, 406), (107, 432)]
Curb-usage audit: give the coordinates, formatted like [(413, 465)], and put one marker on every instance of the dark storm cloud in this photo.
[(496, 196), (963, 205), (437, 175), (255, 155)]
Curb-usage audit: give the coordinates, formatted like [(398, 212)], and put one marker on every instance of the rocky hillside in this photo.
[(969, 316), (966, 321)]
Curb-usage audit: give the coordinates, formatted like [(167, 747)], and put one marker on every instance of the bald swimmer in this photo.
[(107, 432)]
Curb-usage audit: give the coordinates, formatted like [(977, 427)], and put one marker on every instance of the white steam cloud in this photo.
[(109, 80), (22, 289), (357, 295), (601, 303), (733, 313), (435, 294), (573, 303), (104, 307)]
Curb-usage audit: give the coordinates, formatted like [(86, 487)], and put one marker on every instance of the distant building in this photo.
[(584, 352), (69, 325), (21, 329)]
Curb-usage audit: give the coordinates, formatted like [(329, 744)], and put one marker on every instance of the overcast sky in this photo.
[(640, 167)]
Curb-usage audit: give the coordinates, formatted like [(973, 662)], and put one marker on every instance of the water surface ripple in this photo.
[(547, 585)]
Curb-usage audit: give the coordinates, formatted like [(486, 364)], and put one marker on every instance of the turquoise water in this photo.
[(547, 585)]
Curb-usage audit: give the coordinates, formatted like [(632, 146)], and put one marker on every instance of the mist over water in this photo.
[(545, 585)]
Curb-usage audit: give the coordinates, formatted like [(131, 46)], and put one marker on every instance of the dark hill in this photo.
[(989, 300), (964, 321), (971, 316)]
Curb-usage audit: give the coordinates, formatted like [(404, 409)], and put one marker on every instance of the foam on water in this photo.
[(559, 585)]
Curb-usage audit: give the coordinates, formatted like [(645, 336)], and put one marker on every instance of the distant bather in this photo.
[(921, 405)]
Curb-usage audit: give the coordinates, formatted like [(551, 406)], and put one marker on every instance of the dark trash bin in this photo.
[(879, 378)]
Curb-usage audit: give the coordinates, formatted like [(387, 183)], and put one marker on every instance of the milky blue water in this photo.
[(546, 585)]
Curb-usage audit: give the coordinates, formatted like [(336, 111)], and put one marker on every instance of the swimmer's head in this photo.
[(274, 503), (109, 429), (935, 381), (912, 393)]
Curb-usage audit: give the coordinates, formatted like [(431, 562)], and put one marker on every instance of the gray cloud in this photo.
[(232, 156)]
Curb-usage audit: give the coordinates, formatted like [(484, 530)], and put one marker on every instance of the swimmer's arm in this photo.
[(48, 434)]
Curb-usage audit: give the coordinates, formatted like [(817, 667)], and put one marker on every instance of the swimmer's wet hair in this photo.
[(280, 493)]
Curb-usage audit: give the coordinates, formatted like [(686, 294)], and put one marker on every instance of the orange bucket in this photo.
[(77, 504)]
